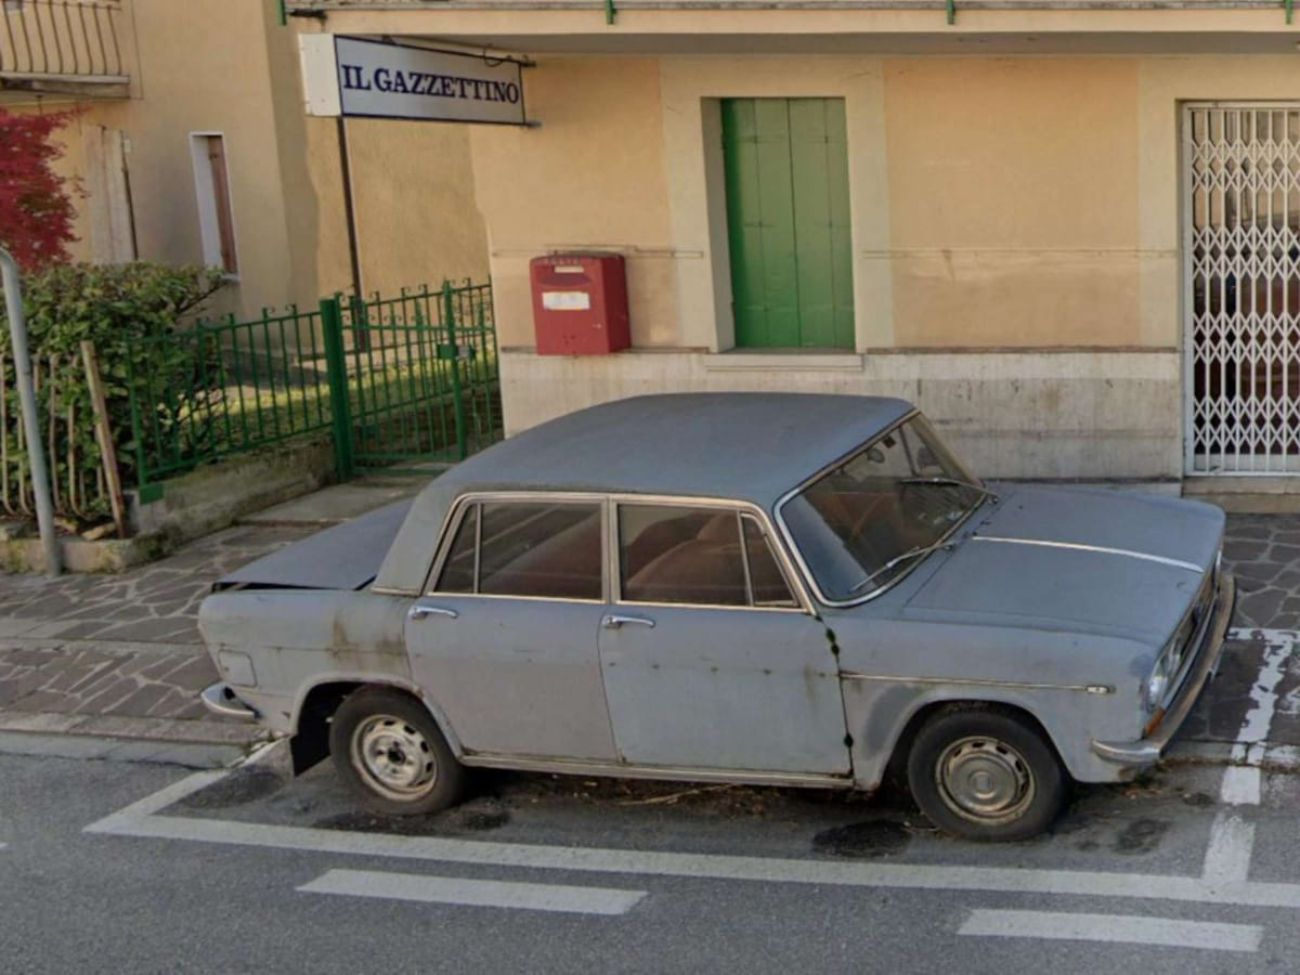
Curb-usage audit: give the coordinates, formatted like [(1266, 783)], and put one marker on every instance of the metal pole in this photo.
[(350, 207), (31, 423), (360, 334), (336, 370), (458, 400)]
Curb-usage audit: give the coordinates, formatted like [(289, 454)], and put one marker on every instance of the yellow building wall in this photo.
[(237, 73), (998, 202), (1013, 201), (590, 178), (417, 218)]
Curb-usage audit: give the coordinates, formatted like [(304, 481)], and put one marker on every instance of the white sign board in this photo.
[(566, 301), (361, 78)]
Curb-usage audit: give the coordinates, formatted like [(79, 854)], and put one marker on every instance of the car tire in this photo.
[(987, 774), (392, 755)]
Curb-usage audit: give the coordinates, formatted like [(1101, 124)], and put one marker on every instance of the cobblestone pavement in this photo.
[(157, 603), (1263, 552), (121, 654)]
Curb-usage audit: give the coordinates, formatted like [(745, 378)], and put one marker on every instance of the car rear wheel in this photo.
[(390, 752), (986, 774)]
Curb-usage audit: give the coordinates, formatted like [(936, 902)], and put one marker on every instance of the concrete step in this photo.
[(1249, 495)]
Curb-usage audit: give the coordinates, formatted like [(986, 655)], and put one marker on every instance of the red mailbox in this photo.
[(580, 304)]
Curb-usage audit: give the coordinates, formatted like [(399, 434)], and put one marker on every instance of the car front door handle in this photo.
[(615, 621), (422, 611)]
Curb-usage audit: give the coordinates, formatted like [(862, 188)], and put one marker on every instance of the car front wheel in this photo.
[(390, 752), (986, 774)]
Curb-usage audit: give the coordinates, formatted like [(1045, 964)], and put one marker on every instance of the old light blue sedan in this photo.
[(778, 589)]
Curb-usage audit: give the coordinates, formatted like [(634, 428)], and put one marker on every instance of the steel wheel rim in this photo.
[(394, 758), (985, 780)]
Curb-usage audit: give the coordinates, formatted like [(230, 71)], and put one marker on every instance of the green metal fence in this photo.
[(397, 382), (423, 377)]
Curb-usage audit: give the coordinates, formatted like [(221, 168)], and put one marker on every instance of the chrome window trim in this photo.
[(773, 546), (393, 591), (466, 501), (792, 578), (808, 577), (609, 582), (534, 599)]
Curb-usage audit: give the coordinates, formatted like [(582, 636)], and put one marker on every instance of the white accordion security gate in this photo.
[(1241, 253)]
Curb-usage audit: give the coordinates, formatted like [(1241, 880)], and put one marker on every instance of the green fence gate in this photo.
[(420, 373), (401, 384)]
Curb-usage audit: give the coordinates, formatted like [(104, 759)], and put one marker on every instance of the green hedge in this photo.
[(115, 306)]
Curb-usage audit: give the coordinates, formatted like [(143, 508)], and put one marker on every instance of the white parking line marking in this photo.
[(159, 800), (1227, 860), (1241, 786), (1017, 880), (475, 893), (1263, 694), (1242, 782), (1128, 929)]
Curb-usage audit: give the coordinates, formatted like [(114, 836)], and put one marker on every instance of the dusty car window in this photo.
[(680, 555), (767, 582), (867, 521), (459, 571), (671, 554), (527, 549)]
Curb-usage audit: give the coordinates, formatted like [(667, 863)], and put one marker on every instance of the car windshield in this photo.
[(861, 525)]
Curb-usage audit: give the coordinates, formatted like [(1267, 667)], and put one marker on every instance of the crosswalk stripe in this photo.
[(1126, 929), (476, 893)]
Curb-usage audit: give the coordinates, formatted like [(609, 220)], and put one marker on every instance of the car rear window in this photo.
[(533, 549)]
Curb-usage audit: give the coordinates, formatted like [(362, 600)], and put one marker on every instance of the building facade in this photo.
[(191, 146), (1069, 231)]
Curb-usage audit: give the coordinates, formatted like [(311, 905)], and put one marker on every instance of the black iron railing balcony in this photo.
[(61, 40)]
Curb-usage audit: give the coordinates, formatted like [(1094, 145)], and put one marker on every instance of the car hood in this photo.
[(346, 556), (1077, 560)]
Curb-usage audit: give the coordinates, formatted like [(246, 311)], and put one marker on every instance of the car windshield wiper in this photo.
[(951, 481), (913, 553)]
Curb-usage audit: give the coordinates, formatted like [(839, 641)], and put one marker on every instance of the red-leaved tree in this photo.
[(36, 210)]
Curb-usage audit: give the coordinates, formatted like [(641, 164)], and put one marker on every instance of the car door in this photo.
[(709, 660), (504, 641)]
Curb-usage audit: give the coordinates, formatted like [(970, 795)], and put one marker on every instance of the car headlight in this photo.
[(1153, 691)]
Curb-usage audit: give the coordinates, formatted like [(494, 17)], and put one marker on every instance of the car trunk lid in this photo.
[(346, 556)]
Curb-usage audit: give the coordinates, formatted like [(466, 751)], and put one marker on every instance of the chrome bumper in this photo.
[(1148, 750), (221, 700)]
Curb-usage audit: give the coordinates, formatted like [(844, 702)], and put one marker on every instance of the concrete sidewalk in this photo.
[(120, 656)]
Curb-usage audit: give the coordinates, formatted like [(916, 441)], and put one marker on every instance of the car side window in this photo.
[(695, 556), (767, 582), (460, 571), (526, 548)]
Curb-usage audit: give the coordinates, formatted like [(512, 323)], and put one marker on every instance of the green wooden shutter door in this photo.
[(787, 183)]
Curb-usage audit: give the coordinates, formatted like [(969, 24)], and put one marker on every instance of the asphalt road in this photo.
[(252, 872)]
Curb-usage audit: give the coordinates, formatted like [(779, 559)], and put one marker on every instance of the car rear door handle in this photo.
[(616, 621), (422, 611)]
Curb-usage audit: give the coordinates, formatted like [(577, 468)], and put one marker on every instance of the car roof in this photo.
[(744, 446), (749, 446)]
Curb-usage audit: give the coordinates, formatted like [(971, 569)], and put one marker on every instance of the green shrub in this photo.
[(124, 309)]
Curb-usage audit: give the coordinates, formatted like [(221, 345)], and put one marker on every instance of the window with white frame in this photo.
[(216, 214)]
